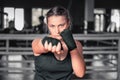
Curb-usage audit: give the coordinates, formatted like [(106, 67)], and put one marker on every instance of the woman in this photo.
[(58, 55)]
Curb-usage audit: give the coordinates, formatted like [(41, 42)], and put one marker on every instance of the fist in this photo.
[(52, 44)]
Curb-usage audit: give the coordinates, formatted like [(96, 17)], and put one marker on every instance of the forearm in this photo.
[(75, 49), (37, 46), (78, 63)]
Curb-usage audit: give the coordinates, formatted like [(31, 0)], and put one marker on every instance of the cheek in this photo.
[(52, 31)]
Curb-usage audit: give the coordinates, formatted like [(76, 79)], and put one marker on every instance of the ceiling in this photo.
[(50, 3)]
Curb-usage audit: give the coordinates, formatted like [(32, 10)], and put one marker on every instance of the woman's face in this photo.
[(56, 24)]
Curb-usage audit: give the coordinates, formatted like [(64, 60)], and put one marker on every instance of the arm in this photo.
[(78, 63), (45, 45), (37, 47), (75, 49)]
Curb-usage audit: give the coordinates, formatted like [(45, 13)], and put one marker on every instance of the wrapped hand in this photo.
[(52, 44), (68, 39)]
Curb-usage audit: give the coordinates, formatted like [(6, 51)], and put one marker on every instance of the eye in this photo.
[(61, 25), (52, 26)]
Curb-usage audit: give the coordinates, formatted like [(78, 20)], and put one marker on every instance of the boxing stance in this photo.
[(58, 55)]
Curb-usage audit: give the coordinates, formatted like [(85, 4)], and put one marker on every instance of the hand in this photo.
[(52, 45), (56, 37), (68, 39), (50, 39)]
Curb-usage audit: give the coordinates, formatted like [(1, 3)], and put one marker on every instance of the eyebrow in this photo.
[(62, 24), (59, 24)]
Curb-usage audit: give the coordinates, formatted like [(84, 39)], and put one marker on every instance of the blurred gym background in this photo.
[(95, 23)]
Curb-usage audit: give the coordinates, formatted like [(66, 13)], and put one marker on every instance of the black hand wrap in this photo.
[(68, 39), (50, 39)]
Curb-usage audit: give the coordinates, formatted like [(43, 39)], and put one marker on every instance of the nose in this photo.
[(57, 30)]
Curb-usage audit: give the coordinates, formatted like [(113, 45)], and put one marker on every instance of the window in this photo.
[(8, 16), (99, 20), (16, 15), (36, 13), (19, 19)]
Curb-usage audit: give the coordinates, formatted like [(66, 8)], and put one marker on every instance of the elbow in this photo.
[(81, 73)]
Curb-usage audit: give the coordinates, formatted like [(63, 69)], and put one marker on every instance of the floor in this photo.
[(29, 75)]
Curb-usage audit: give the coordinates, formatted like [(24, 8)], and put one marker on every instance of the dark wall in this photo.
[(76, 8), (27, 17), (107, 4), (77, 14), (34, 3), (50, 3)]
